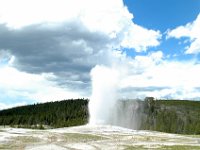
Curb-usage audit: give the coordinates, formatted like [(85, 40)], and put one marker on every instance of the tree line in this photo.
[(51, 114), (172, 116)]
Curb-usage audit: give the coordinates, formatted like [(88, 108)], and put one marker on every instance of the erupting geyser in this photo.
[(105, 106), (104, 94)]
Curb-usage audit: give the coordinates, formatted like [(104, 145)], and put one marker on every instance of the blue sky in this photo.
[(165, 14), (162, 16), (48, 49)]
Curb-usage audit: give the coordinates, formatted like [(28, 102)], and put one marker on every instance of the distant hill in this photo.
[(173, 116), (52, 114)]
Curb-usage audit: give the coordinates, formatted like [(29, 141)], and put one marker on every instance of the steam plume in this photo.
[(105, 106), (104, 94)]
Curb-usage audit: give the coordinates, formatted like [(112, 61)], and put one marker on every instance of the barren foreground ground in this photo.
[(93, 137)]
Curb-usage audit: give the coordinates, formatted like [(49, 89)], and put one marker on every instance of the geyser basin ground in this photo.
[(93, 137)]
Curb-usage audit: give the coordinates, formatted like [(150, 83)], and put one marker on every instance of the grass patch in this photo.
[(129, 147), (181, 147), (77, 137), (19, 142), (154, 138), (26, 139), (173, 147), (11, 146), (150, 138), (193, 136)]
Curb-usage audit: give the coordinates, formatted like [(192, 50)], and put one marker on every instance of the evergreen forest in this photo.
[(172, 116), (56, 114)]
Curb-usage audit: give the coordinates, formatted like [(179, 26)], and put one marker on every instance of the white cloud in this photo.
[(153, 75), (53, 44), (16, 84), (140, 38), (111, 18), (190, 30), (4, 106), (110, 24), (17, 14)]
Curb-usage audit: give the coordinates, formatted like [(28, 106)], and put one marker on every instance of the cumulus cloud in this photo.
[(48, 48), (154, 75), (62, 51), (15, 84), (111, 18), (140, 38), (65, 39), (191, 31)]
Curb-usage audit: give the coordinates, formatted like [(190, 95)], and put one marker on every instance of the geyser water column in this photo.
[(104, 94)]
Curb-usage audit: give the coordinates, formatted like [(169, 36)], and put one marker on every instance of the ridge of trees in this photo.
[(52, 114), (172, 116)]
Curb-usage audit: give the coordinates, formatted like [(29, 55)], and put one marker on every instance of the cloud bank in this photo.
[(67, 39), (48, 48)]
